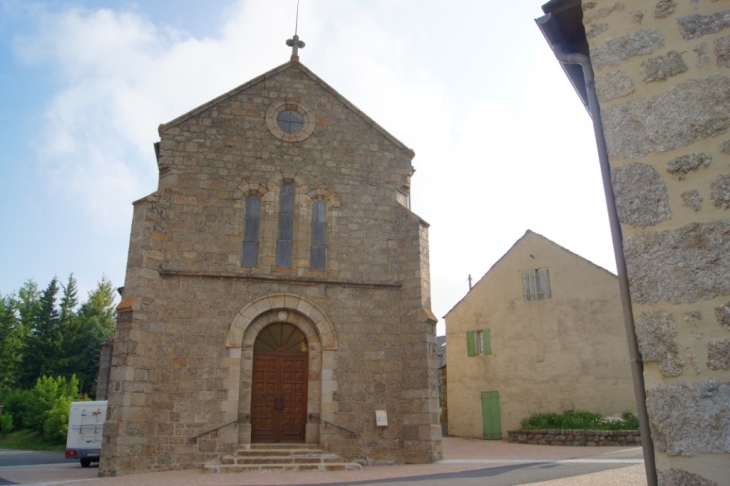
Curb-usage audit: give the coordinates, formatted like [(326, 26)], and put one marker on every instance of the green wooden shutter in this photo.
[(486, 341), (471, 349), (491, 416)]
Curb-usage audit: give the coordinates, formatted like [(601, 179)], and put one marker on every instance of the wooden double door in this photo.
[(279, 388)]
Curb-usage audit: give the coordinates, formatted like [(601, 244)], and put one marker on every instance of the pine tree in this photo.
[(41, 335), (70, 334), (69, 301), (43, 344), (28, 301), (11, 343), (97, 317)]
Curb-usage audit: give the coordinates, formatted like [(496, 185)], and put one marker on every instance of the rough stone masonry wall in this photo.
[(183, 357), (575, 437), (663, 81)]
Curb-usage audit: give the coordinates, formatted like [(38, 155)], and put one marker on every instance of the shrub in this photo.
[(631, 420), (55, 427), (6, 424), (580, 420), (43, 409), (15, 404), (43, 397)]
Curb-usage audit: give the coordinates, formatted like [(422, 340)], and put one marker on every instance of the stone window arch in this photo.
[(290, 105), (249, 200), (318, 243), (324, 211), (288, 249), (285, 235), (322, 342), (252, 223)]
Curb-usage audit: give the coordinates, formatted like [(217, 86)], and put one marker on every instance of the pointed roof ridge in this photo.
[(528, 232), (277, 70)]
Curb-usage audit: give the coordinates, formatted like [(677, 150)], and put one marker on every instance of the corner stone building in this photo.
[(276, 282), (662, 76)]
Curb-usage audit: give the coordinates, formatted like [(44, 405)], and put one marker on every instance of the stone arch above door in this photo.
[(284, 302)]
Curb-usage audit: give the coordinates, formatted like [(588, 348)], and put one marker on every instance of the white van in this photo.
[(85, 426)]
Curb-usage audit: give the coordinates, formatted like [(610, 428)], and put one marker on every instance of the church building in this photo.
[(277, 288)]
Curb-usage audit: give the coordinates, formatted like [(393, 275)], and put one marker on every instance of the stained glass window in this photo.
[(317, 254), (286, 227), (251, 231)]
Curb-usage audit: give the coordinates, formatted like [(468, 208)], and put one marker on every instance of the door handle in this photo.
[(279, 404)]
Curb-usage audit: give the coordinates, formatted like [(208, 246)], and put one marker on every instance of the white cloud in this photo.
[(119, 76)]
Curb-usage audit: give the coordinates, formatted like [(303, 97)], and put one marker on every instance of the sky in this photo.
[(502, 141)]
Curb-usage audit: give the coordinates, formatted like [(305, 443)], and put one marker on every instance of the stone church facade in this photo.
[(277, 288)]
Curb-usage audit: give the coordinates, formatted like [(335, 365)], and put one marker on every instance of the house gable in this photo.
[(532, 238), (565, 349)]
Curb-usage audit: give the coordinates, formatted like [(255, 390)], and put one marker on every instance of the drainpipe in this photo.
[(637, 365)]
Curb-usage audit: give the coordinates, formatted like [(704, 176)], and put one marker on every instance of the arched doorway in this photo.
[(279, 385)]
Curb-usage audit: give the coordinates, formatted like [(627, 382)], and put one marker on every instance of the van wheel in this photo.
[(85, 462)]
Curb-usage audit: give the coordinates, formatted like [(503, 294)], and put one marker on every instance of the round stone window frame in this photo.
[(290, 104)]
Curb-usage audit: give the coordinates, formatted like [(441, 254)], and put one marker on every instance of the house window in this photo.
[(317, 254), (478, 343), (286, 227), (536, 284), (251, 231)]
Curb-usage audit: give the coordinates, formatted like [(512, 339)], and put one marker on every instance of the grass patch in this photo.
[(28, 440), (580, 420)]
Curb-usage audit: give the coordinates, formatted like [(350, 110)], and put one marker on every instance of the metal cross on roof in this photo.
[(295, 45), (294, 42)]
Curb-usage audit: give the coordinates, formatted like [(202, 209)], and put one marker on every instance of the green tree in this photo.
[(69, 301), (97, 318), (6, 424), (28, 301), (44, 334), (43, 344), (55, 427), (11, 343), (70, 334), (47, 406)]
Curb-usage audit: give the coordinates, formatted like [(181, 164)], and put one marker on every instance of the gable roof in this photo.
[(273, 72), (527, 233)]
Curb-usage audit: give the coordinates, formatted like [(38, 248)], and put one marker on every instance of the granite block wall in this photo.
[(664, 88)]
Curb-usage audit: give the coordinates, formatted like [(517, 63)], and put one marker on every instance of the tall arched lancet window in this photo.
[(318, 249), (286, 227), (251, 231)]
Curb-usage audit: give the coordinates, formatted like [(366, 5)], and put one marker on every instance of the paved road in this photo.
[(496, 476), (521, 472), (468, 463), (40, 464), (13, 457)]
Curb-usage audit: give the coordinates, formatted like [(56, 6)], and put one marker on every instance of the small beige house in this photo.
[(542, 331)]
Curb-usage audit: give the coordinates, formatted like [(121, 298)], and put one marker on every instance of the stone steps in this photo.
[(279, 458)]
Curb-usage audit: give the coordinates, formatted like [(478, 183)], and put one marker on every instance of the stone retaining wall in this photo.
[(575, 437)]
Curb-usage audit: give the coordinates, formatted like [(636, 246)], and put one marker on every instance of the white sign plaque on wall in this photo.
[(381, 418)]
